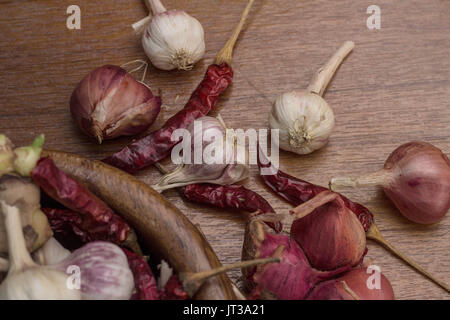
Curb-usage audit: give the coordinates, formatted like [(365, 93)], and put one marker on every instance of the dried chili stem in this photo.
[(374, 234), (193, 281), (324, 75), (226, 54)]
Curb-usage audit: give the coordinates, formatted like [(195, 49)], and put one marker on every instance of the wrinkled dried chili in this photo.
[(297, 191), (157, 145), (97, 219), (144, 280), (235, 197)]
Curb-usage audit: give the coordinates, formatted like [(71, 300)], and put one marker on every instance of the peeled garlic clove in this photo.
[(21, 192), (304, 119), (109, 103), (173, 39)]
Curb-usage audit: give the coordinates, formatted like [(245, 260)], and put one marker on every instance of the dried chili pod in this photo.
[(144, 280), (98, 220)]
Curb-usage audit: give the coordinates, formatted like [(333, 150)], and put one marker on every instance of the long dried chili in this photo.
[(98, 220), (297, 191), (144, 280), (235, 197), (157, 145)]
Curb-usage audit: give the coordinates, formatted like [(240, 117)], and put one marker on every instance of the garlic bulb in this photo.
[(221, 169), (26, 280), (173, 39), (104, 271), (304, 119)]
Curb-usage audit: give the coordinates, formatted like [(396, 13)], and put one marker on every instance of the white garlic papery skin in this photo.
[(305, 121), (174, 40)]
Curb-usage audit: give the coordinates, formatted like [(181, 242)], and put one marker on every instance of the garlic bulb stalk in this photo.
[(172, 39), (221, 168), (26, 280), (304, 118)]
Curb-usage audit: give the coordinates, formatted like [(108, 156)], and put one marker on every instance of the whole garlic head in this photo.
[(174, 39), (304, 119)]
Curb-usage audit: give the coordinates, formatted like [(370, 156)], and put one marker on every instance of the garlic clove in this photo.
[(109, 103), (51, 252), (174, 40)]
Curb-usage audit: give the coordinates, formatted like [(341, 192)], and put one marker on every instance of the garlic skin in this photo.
[(304, 119), (104, 271), (174, 40), (6, 155), (109, 103)]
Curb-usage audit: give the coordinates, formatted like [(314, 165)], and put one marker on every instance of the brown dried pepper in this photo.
[(235, 197), (158, 144), (297, 191), (98, 220)]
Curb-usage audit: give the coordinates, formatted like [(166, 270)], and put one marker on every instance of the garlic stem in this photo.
[(19, 257), (226, 54), (193, 281), (350, 291), (378, 178), (156, 6), (374, 234), (309, 206), (324, 75)]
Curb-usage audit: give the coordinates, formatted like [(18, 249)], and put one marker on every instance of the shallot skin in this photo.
[(331, 236), (356, 281), (420, 183), (109, 103), (291, 279)]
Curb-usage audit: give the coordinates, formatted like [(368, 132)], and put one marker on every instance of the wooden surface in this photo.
[(393, 88)]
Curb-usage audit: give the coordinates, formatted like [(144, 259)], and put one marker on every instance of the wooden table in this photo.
[(392, 89)]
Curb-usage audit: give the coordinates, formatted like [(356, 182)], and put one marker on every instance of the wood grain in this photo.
[(393, 88)]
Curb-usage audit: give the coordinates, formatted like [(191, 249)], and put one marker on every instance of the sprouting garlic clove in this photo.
[(173, 39), (304, 119), (109, 103)]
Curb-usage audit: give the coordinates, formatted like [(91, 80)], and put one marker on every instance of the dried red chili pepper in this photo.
[(144, 281), (230, 197), (67, 227), (158, 144), (98, 220), (174, 290), (297, 191)]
